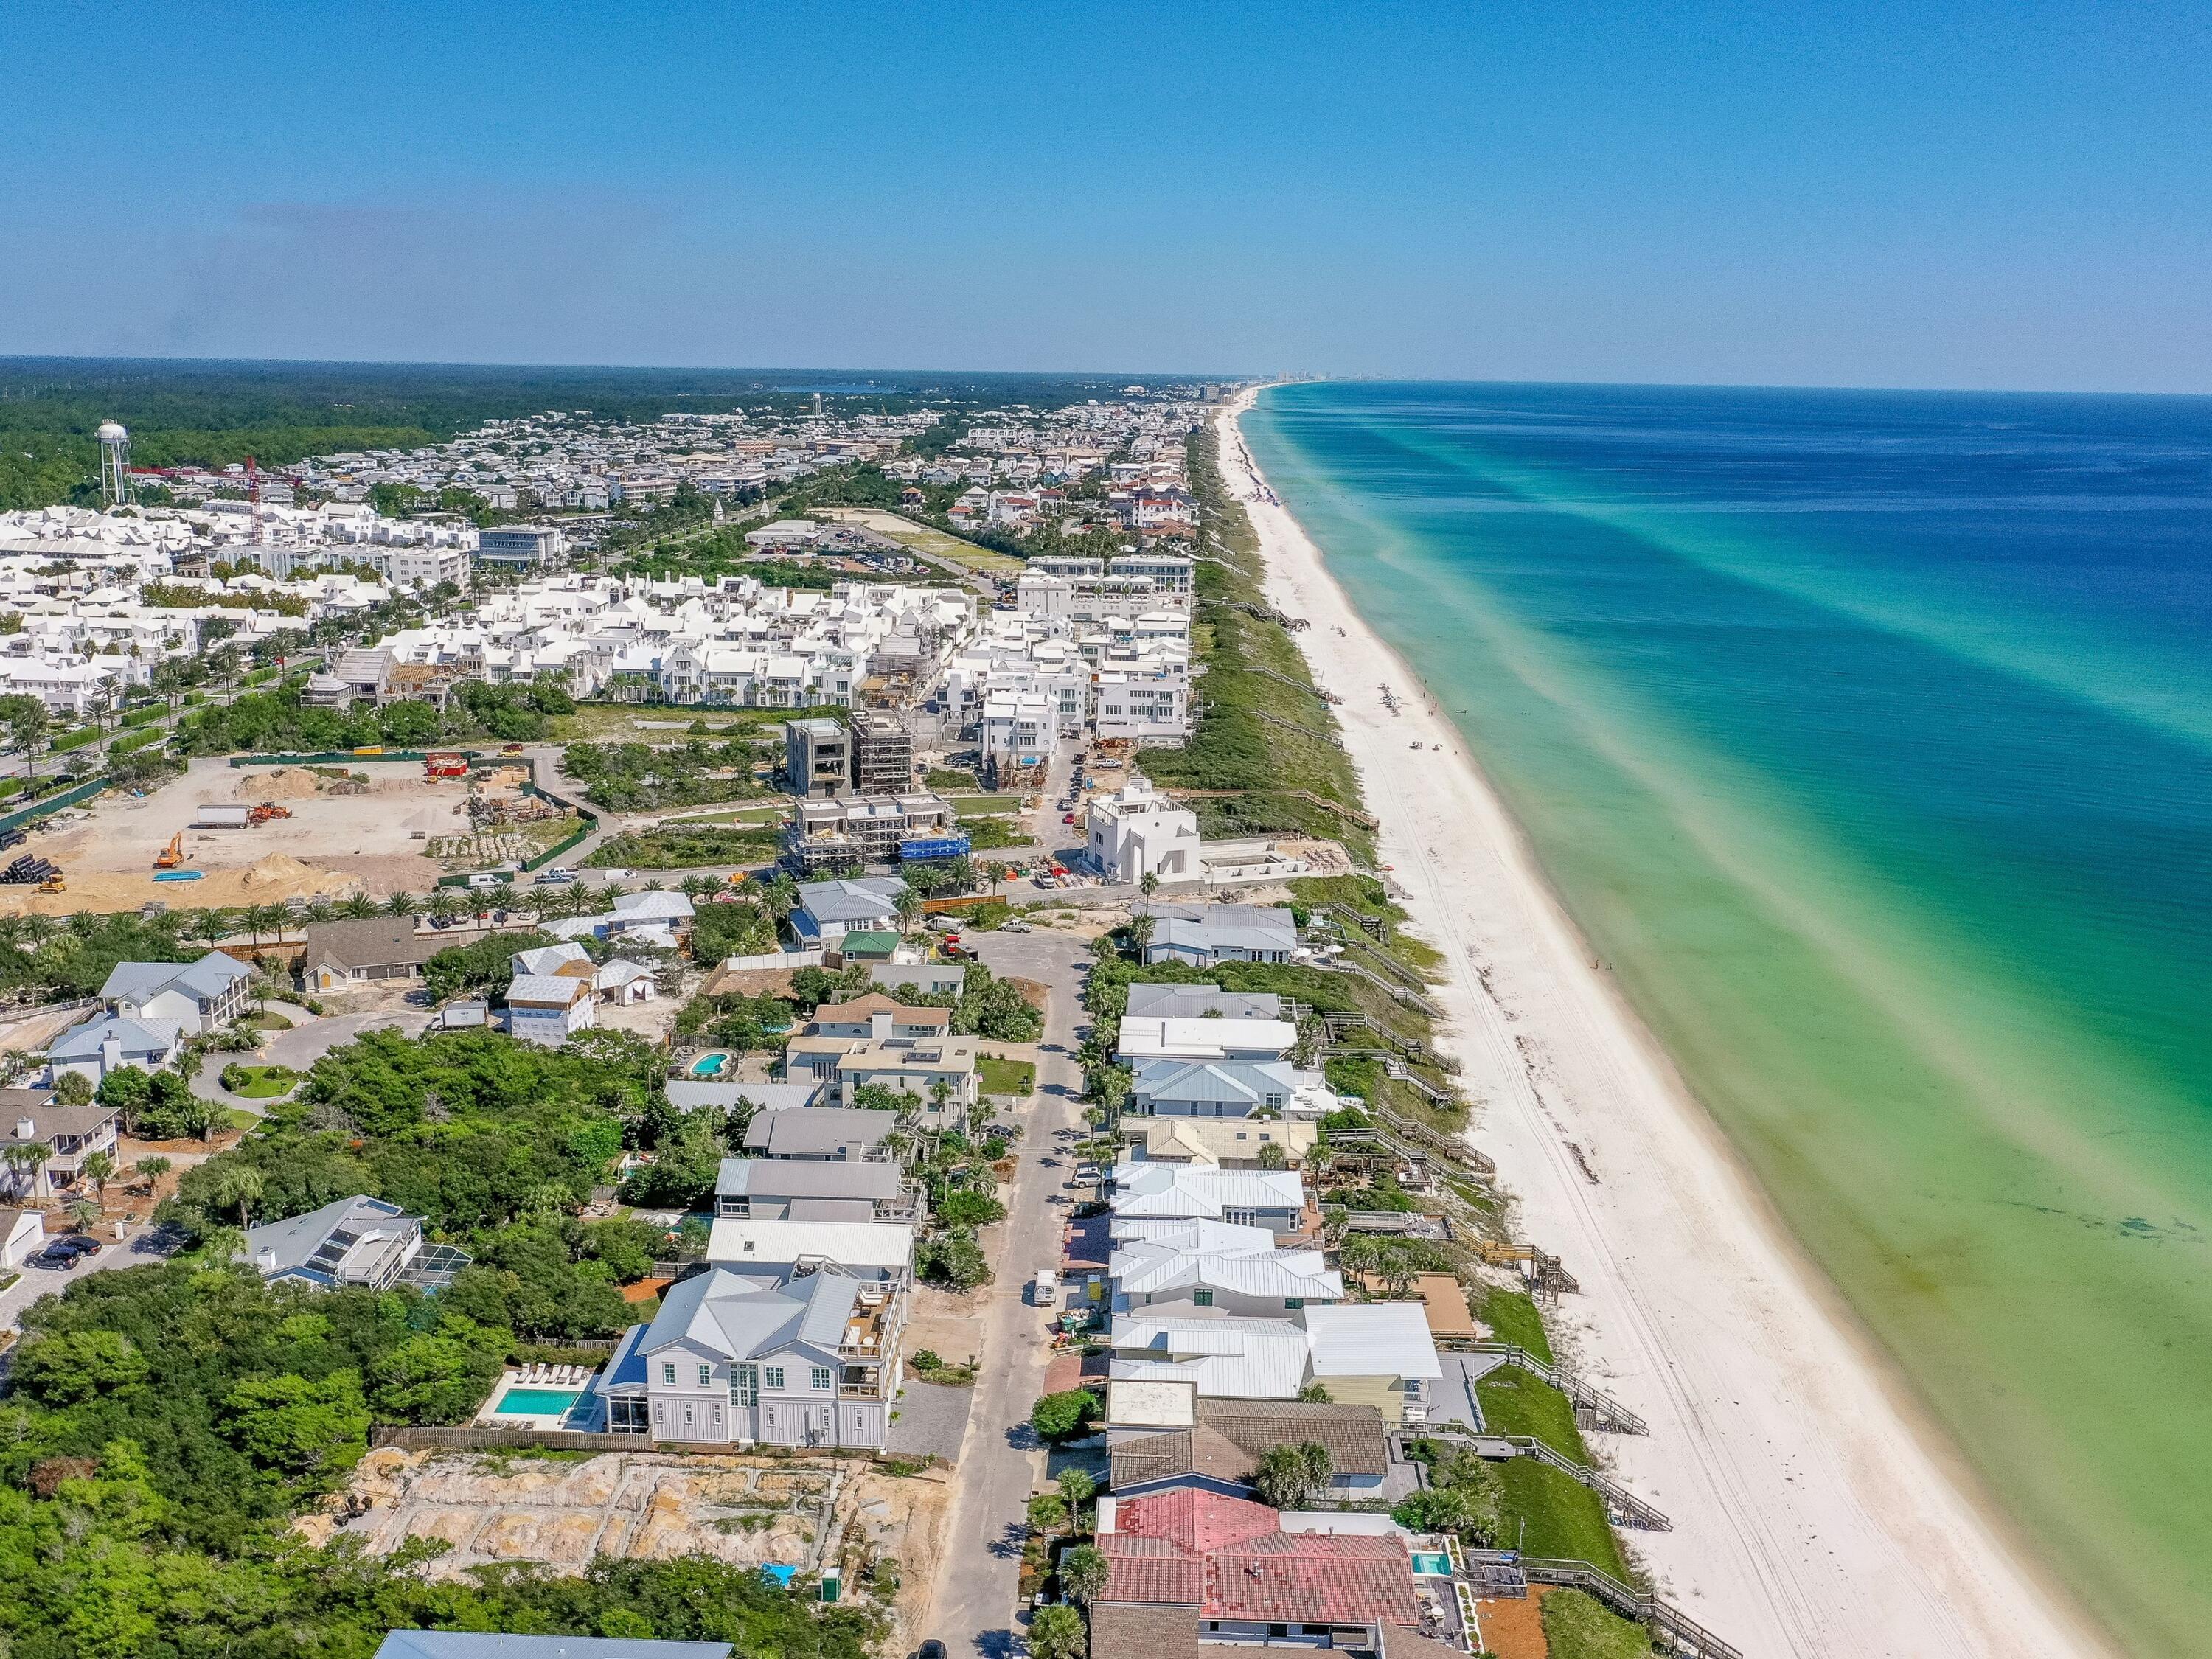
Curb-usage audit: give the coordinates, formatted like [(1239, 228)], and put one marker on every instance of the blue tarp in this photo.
[(934, 847)]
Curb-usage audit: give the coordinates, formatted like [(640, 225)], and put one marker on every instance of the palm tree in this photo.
[(83, 1214), (501, 897), (403, 904), (1149, 883), (1287, 1477), (98, 1168), (153, 1169), (236, 1185), (84, 924), (909, 906), (357, 907), (24, 1158), (444, 904), (1083, 1572), (1140, 932), (1076, 1488), (38, 929), (319, 908)]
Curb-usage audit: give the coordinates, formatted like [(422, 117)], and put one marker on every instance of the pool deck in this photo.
[(581, 1412)]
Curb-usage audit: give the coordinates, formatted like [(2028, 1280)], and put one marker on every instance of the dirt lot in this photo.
[(333, 843), (750, 1511)]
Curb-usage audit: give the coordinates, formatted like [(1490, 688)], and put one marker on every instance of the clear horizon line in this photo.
[(1244, 377)]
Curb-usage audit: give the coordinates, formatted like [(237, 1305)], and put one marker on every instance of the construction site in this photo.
[(225, 835), (876, 1527)]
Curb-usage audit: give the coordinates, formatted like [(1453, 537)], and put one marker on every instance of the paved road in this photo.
[(148, 1245), (972, 1601)]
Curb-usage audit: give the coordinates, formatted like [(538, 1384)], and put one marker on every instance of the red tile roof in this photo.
[(1229, 1556)]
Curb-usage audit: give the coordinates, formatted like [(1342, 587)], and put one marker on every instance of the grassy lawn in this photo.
[(1514, 1402), (1512, 1317), (750, 815), (603, 722), (681, 848), (936, 544), (244, 1122), (1564, 1519), (985, 834), (1005, 1077), (941, 778), (1579, 1627), (984, 806), (264, 1019), (260, 1082)]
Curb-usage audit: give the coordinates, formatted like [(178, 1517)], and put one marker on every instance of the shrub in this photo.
[(1059, 1418)]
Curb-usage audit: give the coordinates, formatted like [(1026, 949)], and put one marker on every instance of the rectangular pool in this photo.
[(536, 1402), (1429, 1565)]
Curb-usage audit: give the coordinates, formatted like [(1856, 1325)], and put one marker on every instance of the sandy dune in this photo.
[(1815, 1512)]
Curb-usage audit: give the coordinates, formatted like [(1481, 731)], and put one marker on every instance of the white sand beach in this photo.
[(1815, 1512)]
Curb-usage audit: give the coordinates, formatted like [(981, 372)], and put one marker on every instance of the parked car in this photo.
[(482, 881), (1046, 1289), (67, 1251), (556, 876), (1015, 925)]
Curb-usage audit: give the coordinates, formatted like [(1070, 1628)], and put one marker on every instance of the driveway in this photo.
[(303, 1045), (972, 1601), (148, 1244)]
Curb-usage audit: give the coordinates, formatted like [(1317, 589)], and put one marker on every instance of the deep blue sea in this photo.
[(1869, 736)]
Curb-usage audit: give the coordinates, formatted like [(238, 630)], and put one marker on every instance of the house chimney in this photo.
[(879, 1024), (266, 1260), (26, 1129)]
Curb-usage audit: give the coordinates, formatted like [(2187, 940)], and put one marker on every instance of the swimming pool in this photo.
[(710, 1066), (537, 1402), (1431, 1565)]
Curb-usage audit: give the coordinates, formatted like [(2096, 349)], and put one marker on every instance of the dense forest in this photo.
[(216, 413), (281, 722), (165, 1422)]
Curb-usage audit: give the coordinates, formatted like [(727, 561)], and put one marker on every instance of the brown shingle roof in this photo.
[(1352, 1435), (372, 942), (1139, 1629)]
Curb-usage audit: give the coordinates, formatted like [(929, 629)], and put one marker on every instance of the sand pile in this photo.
[(280, 870), (286, 783)]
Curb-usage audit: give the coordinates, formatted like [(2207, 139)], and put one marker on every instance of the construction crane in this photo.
[(171, 855)]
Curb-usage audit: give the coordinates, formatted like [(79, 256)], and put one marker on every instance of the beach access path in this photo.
[(1816, 1513)]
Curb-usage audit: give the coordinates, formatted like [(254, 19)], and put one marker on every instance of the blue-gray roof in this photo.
[(1196, 1001), (689, 1094), (84, 1041), (478, 1645), (850, 901), (741, 1317), (211, 976), (1226, 927), (807, 1177)]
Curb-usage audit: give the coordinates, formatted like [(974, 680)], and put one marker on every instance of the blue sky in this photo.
[(1976, 195)]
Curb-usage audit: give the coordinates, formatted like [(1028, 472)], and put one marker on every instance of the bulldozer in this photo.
[(171, 855), (53, 883), (267, 813)]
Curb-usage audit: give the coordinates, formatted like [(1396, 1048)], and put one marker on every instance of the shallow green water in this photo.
[(1870, 739)]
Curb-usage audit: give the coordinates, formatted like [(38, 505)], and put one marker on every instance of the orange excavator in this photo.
[(267, 813), (171, 855)]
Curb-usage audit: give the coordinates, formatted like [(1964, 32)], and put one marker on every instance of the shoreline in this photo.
[(1817, 1509)]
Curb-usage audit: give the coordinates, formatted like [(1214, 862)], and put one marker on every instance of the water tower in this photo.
[(114, 463)]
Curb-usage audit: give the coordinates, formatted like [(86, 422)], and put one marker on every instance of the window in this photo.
[(1201, 1298), (1294, 1302), (668, 1372), (820, 1379), (773, 1376), (706, 1377), (744, 1385), (687, 1413)]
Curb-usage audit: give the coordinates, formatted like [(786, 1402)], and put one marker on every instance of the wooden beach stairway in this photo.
[(1506, 1575), (1603, 1413)]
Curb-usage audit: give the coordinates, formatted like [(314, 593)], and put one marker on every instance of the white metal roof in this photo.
[(741, 1241), (1371, 1339)]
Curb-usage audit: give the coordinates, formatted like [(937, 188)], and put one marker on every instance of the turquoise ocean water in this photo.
[(1869, 736)]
